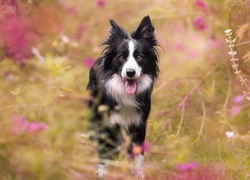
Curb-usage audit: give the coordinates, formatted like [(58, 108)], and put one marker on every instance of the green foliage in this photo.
[(198, 113)]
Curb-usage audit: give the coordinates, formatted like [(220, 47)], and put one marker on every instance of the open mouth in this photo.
[(130, 86)]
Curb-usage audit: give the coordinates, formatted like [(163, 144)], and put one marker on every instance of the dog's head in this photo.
[(131, 56)]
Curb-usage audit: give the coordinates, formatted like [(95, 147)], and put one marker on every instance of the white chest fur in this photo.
[(125, 116), (126, 112)]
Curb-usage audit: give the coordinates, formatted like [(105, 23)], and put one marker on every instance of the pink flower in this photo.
[(14, 32), (187, 167), (37, 126), (79, 32), (37, 54), (200, 4), (237, 99), (192, 54), (88, 62), (15, 37), (100, 3), (146, 146), (235, 110), (21, 125), (200, 23)]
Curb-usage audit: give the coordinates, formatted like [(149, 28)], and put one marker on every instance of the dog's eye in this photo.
[(139, 58), (121, 58)]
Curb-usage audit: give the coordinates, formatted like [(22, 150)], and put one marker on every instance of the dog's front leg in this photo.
[(108, 145), (101, 170), (136, 150), (138, 169)]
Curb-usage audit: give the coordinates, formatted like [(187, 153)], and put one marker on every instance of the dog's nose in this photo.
[(130, 72)]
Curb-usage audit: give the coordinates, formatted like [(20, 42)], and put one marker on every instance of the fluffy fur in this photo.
[(121, 82)]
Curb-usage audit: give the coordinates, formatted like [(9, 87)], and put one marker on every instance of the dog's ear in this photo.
[(116, 33), (114, 26), (145, 31)]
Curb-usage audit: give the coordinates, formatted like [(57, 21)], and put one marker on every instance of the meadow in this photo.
[(199, 126)]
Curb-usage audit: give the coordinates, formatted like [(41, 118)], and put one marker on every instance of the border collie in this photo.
[(121, 83)]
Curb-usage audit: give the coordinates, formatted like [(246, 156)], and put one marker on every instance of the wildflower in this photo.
[(36, 127), (100, 3), (228, 31), (187, 167), (232, 53), (230, 134), (246, 95), (88, 62), (200, 4), (21, 125), (146, 146), (237, 72), (65, 39), (200, 23), (15, 36), (37, 54), (238, 99), (80, 30), (235, 110), (235, 66)]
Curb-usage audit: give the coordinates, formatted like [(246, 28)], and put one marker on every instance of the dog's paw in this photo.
[(138, 172), (101, 171)]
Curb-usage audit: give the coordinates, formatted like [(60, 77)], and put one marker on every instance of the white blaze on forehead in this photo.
[(131, 47), (131, 62)]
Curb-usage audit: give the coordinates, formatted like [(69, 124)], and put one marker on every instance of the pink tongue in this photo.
[(130, 87)]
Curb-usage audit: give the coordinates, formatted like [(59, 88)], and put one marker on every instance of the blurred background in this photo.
[(199, 127)]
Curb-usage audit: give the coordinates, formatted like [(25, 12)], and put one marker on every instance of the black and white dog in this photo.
[(121, 83)]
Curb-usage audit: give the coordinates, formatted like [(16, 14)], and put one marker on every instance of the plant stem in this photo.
[(203, 119)]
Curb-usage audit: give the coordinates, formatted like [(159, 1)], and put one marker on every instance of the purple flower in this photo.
[(37, 126), (200, 23), (21, 125), (237, 99), (88, 62), (15, 32), (200, 4), (15, 37), (235, 110), (187, 167), (146, 146), (100, 3), (79, 32)]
